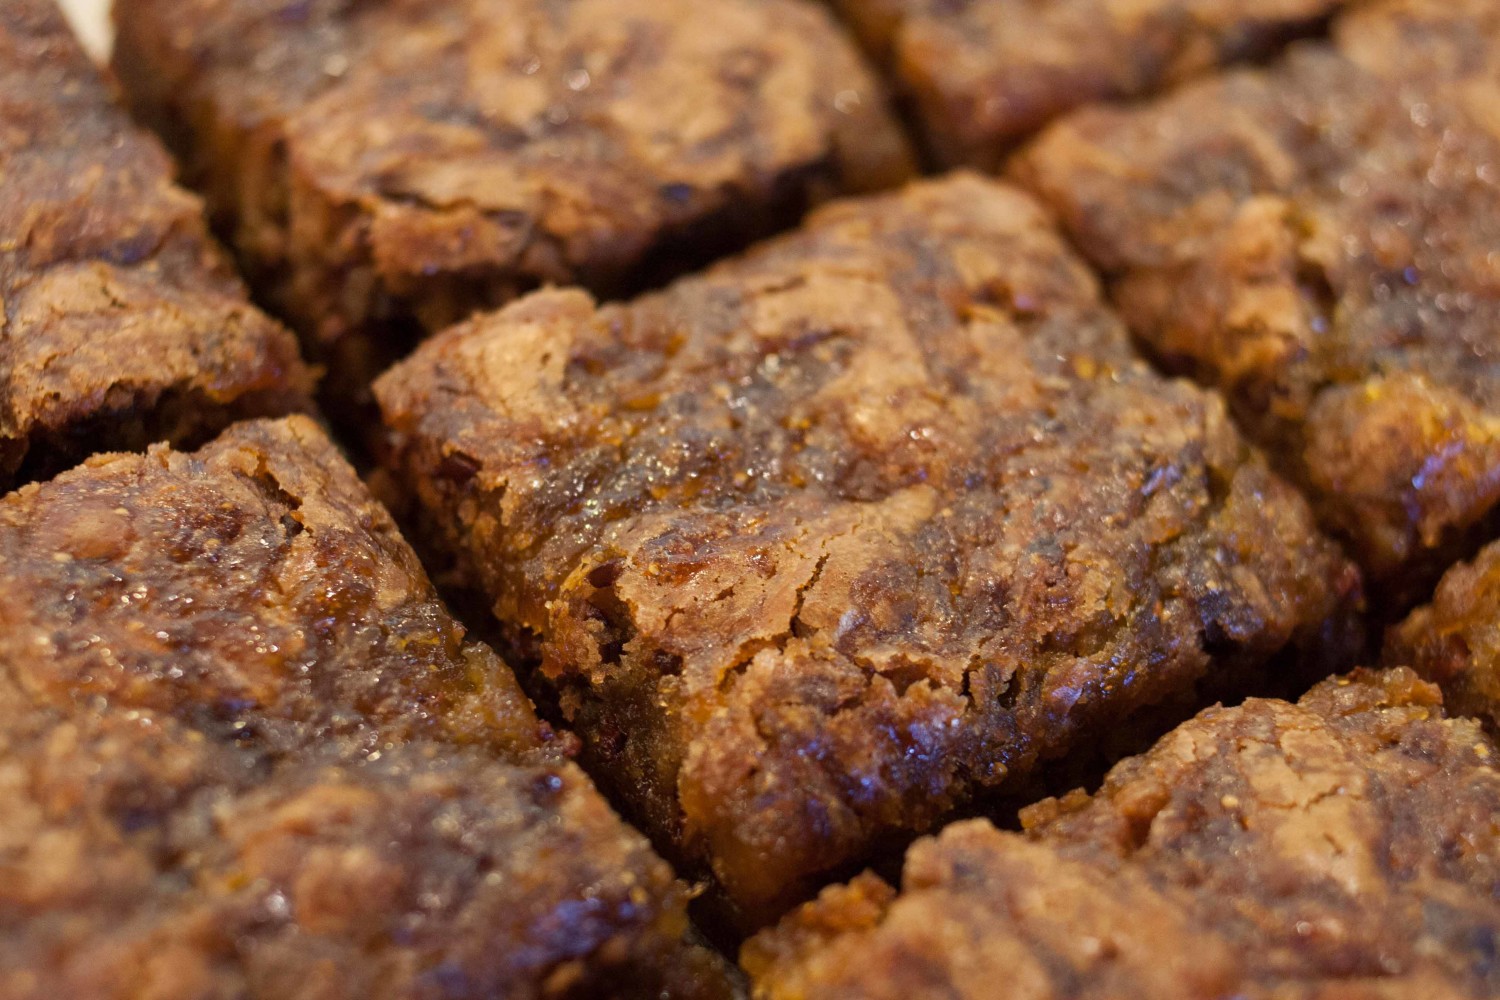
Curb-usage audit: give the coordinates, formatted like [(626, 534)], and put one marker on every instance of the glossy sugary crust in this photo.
[(1344, 847), (1319, 241), (121, 323), (821, 544), (981, 75), (245, 752), (1455, 640), (399, 163)]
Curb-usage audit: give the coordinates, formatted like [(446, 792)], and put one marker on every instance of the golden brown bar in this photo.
[(1319, 240), (979, 76), (826, 543), (246, 752), (121, 322), (1343, 848), (386, 168)]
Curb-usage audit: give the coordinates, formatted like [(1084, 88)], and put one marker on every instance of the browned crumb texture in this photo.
[(1455, 641), (1342, 848), (399, 163), (121, 323), (245, 752), (981, 75), (821, 544), (1320, 240)]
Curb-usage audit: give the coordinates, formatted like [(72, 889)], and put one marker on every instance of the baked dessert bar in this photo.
[(387, 168), (246, 752), (819, 546), (979, 76), (1344, 846), (1318, 240), (121, 322)]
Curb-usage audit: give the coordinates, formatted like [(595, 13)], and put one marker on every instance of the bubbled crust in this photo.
[(402, 161), (245, 752), (1318, 240), (121, 322), (821, 544), (1343, 847), (982, 75), (1454, 641)]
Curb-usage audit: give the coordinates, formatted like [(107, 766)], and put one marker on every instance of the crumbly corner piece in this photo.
[(1343, 847), (246, 752), (389, 167), (1318, 240), (819, 546), (121, 322), (981, 76), (1454, 641)]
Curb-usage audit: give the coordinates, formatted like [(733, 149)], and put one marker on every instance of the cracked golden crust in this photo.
[(402, 163), (1343, 847), (982, 75), (822, 543), (1454, 641), (121, 322), (1317, 240), (245, 751)]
